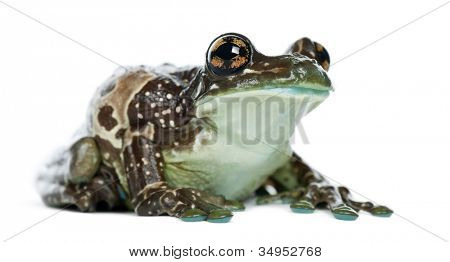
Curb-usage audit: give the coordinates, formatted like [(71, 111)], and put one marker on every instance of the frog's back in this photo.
[(107, 113)]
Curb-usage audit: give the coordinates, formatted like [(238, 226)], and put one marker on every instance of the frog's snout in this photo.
[(308, 71)]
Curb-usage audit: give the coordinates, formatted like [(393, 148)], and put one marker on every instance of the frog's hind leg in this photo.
[(76, 178), (51, 182), (97, 194)]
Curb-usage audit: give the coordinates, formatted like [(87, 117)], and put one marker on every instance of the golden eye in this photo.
[(229, 54)]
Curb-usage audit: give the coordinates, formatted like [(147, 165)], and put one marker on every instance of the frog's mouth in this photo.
[(292, 97)]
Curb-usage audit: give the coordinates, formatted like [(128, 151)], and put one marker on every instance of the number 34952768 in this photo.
[(290, 251)]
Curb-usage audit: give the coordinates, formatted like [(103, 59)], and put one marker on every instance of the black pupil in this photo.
[(227, 51)]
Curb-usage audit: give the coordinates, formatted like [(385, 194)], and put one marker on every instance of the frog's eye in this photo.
[(228, 54), (314, 50)]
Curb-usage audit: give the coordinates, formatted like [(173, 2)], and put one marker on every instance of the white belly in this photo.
[(234, 171)]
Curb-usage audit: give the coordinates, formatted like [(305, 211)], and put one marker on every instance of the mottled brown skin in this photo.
[(117, 160), (159, 107)]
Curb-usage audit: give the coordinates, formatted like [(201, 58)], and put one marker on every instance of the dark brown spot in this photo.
[(120, 133), (105, 117)]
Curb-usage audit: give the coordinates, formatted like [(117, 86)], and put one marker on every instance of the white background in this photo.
[(385, 132)]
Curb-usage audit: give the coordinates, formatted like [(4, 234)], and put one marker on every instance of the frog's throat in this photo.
[(269, 116)]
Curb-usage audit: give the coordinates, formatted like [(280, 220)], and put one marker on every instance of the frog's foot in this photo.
[(305, 201), (337, 200), (380, 211), (232, 205), (286, 197), (317, 194), (188, 204), (97, 194)]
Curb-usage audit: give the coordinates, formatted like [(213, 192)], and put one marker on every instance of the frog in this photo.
[(181, 141)]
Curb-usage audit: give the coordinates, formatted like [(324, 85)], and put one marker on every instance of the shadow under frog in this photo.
[(157, 140)]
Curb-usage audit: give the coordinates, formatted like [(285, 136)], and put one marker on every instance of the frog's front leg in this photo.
[(152, 196), (305, 189)]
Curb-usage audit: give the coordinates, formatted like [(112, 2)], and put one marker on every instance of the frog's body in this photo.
[(236, 154), (191, 142)]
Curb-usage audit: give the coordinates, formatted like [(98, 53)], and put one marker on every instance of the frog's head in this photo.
[(239, 77)]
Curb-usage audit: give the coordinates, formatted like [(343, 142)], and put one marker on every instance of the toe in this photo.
[(193, 215), (303, 207), (234, 205), (344, 212), (264, 200), (288, 199), (220, 216), (381, 211)]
